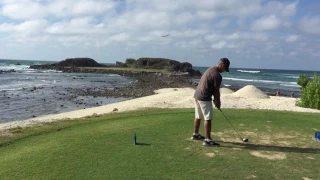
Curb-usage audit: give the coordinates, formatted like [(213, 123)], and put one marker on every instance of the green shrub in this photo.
[(169, 68), (130, 61), (303, 80), (310, 94)]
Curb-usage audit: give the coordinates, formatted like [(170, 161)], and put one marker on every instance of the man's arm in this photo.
[(216, 96)]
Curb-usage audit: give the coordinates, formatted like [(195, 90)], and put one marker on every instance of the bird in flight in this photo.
[(166, 35)]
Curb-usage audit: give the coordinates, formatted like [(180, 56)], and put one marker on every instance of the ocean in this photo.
[(268, 80), (27, 93)]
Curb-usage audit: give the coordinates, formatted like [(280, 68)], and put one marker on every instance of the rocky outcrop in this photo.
[(144, 85), (69, 65), (78, 62), (72, 65), (185, 67), (161, 63)]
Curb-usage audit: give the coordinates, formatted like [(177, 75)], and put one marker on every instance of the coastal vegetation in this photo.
[(309, 92), (157, 63), (140, 65), (281, 146), (126, 69)]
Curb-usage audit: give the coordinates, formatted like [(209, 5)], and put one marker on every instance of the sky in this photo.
[(252, 33)]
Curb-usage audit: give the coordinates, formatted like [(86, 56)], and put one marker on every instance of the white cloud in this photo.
[(33, 26), (189, 33), (204, 14), (23, 10), (84, 25), (247, 36), (223, 23), (310, 25), (28, 9), (194, 27), (293, 53), (219, 45), (87, 7), (237, 36), (212, 37), (223, 44), (119, 37), (27, 27), (292, 38), (303, 44), (228, 7), (266, 23), (317, 54), (197, 43), (184, 18), (281, 8), (143, 20)]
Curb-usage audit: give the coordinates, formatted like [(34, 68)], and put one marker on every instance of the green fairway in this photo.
[(281, 146)]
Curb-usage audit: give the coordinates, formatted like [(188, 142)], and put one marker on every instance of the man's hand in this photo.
[(217, 103)]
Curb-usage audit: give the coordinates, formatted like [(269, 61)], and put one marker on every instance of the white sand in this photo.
[(226, 91), (173, 98), (251, 91)]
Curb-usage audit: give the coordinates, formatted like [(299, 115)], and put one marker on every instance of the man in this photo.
[(209, 86)]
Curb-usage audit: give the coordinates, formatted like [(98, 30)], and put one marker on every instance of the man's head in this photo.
[(223, 65)]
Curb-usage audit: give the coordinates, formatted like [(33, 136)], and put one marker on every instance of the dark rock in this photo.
[(185, 67), (79, 62), (7, 71), (142, 84)]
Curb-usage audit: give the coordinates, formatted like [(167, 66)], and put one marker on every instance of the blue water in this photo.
[(26, 93), (268, 80)]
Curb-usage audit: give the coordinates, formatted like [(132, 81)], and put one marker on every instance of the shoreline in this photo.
[(145, 82), (61, 99), (143, 85), (165, 98)]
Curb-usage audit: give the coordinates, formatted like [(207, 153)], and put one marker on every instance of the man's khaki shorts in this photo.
[(203, 109)]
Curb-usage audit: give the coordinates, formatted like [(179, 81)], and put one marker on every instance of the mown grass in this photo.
[(102, 147), (127, 69)]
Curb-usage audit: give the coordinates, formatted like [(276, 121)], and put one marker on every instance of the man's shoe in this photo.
[(197, 137), (210, 143)]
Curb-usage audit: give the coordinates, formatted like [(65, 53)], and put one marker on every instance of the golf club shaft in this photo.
[(230, 124)]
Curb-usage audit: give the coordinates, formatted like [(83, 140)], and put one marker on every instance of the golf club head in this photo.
[(245, 139)]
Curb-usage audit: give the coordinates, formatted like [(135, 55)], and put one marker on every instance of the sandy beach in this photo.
[(248, 97)]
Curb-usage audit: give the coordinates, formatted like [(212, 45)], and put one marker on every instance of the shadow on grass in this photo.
[(142, 144), (269, 147)]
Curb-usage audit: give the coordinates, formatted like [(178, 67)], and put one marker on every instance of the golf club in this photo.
[(242, 139)]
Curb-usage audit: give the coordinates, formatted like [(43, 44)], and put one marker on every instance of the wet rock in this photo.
[(143, 83)]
